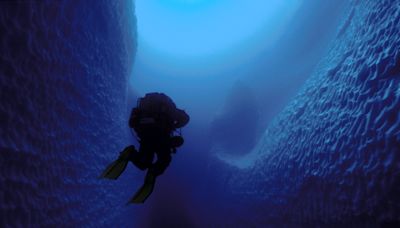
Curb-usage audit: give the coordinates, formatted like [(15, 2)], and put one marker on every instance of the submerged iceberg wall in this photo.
[(333, 155), (63, 74)]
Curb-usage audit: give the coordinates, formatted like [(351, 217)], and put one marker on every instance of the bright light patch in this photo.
[(191, 49), (193, 46), (198, 28)]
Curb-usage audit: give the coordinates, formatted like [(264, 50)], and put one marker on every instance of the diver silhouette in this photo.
[(155, 121)]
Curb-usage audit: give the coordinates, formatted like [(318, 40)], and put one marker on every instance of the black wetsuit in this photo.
[(155, 142), (155, 129)]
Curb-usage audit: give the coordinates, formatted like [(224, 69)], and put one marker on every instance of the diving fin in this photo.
[(115, 169), (145, 191)]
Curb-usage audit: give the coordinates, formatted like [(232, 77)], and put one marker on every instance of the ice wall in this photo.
[(63, 73), (333, 155)]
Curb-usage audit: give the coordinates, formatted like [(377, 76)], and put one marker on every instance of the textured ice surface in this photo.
[(333, 155), (63, 73)]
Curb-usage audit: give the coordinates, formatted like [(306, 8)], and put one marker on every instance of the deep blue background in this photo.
[(320, 146)]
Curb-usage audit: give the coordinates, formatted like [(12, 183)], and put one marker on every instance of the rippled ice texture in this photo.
[(333, 155), (63, 68)]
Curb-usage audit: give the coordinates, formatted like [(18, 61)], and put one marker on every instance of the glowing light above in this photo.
[(198, 28)]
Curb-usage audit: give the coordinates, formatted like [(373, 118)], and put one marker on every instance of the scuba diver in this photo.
[(155, 120)]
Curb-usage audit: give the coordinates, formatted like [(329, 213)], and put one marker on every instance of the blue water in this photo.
[(304, 133)]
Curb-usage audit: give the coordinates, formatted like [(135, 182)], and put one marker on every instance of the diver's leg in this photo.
[(143, 158), (127, 152), (163, 161)]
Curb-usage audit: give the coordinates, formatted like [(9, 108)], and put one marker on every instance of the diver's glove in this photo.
[(115, 169), (174, 142)]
